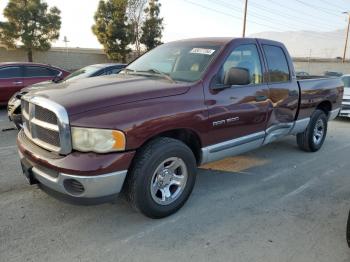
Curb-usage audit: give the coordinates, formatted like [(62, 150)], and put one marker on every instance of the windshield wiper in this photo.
[(157, 72), (127, 70)]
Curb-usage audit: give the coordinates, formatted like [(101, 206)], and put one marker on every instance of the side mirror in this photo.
[(237, 76), (58, 77)]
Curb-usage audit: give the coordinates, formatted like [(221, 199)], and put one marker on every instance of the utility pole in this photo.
[(347, 36), (245, 17), (65, 40), (308, 66)]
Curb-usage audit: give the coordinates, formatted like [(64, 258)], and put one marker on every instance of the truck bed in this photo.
[(314, 90)]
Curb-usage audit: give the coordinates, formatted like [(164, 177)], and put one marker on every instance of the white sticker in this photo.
[(202, 51)]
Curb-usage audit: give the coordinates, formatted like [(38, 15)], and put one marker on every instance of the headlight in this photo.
[(97, 140)]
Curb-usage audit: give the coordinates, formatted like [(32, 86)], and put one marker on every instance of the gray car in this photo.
[(14, 104)]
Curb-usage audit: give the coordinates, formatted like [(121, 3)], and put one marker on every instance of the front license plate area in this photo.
[(28, 173)]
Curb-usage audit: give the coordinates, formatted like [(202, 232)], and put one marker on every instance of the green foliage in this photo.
[(30, 25), (153, 26), (112, 28)]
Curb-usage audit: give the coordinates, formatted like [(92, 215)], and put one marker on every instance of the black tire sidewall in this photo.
[(316, 116), (144, 200)]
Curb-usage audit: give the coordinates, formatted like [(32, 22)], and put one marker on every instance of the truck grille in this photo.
[(46, 124), (45, 115), (48, 136)]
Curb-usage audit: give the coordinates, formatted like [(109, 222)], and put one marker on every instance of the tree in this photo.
[(112, 28), (30, 25), (153, 26), (136, 18)]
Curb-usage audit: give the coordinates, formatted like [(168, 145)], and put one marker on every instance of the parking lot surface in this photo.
[(273, 204)]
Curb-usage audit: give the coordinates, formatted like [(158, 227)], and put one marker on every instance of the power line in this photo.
[(333, 5), (295, 10), (316, 7), (290, 16), (227, 14), (267, 19), (240, 18), (286, 16)]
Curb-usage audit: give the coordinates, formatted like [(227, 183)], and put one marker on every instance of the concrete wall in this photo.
[(69, 59), (75, 58), (318, 67)]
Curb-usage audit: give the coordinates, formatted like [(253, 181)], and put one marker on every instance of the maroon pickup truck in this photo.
[(145, 131)]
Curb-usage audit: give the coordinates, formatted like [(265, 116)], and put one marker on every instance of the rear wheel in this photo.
[(162, 177), (312, 139)]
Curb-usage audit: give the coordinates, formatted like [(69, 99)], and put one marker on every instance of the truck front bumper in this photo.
[(78, 175)]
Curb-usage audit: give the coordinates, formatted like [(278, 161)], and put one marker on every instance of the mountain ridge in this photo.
[(310, 43)]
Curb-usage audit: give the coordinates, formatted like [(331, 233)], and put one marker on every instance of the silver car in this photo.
[(345, 111)]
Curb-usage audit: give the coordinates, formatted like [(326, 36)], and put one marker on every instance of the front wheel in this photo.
[(312, 139), (162, 177)]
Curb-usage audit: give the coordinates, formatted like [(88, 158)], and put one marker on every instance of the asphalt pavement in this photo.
[(273, 204)]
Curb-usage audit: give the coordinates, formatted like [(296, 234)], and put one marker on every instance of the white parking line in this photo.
[(151, 229), (299, 189), (7, 147), (312, 182), (305, 162)]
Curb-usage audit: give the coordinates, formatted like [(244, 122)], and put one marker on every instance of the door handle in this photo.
[(260, 98), (17, 82)]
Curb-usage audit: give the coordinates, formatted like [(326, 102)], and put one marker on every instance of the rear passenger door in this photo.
[(37, 74), (11, 81), (283, 87)]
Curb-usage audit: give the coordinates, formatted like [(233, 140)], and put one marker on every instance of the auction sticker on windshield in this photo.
[(202, 51)]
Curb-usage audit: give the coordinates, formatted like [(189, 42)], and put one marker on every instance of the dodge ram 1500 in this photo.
[(185, 103)]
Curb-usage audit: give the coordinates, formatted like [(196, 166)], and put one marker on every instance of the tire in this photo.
[(310, 140), (154, 174)]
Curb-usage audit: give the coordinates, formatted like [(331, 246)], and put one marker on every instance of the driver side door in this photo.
[(237, 113)]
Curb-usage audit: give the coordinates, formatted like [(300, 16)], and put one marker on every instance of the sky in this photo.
[(197, 18)]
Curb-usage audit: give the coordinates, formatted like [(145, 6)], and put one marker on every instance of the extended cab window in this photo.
[(38, 71), (10, 72), (246, 57), (277, 64)]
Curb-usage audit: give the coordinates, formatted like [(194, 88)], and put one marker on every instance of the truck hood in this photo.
[(97, 92)]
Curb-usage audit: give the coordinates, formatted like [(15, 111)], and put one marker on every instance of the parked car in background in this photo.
[(345, 110), (96, 70), (16, 75), (332, 73), (14, 104), (301, 73), (181, 105)]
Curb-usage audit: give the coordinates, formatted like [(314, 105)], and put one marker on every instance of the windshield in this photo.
[(82, 73), (346, 81), (180, 61)]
